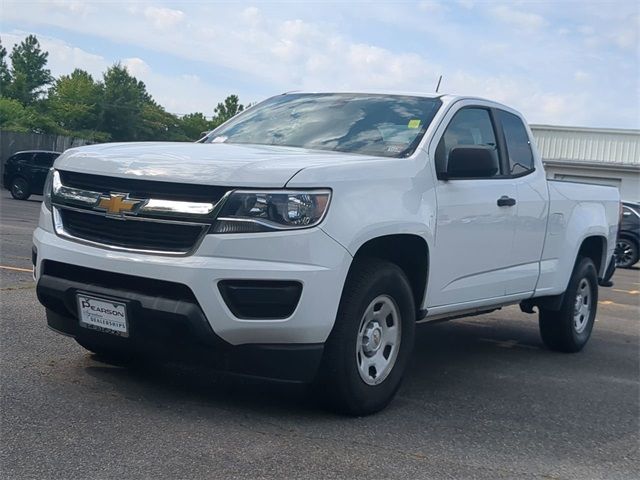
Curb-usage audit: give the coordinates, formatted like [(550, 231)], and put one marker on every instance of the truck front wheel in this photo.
[(368, 350), (569, 328)]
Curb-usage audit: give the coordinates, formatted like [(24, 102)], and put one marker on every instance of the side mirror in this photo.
[(472, 161)]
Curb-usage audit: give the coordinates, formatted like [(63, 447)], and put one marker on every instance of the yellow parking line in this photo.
[(605, 302), (29, 270)]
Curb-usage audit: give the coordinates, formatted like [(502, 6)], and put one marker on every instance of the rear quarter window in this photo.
[(518, 143)]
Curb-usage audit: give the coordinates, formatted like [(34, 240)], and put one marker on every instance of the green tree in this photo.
[(17, 118), (75, 104), (124, 98), (230, 107), (158, 124), (5, 74), (12, 114), (193, 124), (28, 72)]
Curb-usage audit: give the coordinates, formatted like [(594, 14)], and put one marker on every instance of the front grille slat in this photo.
[(140, 235), (138, 188)]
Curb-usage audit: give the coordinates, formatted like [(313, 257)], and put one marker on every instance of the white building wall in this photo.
[(592, 155), (627, 181)]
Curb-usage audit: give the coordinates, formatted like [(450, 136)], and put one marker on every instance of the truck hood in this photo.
[(199, 163)]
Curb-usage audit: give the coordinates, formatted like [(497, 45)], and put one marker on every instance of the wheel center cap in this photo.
[(372, 338), (376, 337), (578, 303)]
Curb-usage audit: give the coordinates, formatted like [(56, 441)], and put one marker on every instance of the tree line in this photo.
[(116, 107)]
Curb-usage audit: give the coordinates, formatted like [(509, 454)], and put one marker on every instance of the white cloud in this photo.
[(518, 18), (136, 66), (252, 16), (499, 51), (581, 76), (468, 4), (628, 37), (73, 6), (162, 17), (432, 7)]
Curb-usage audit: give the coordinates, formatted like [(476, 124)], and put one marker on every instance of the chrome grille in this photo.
[(152, 236), (135, 215)]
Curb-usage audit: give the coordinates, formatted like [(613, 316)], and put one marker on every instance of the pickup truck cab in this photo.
[(305, 238)]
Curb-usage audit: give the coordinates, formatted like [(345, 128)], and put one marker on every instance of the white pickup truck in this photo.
[(304, 239)]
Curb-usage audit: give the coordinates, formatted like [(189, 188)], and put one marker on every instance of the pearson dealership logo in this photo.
[(85, 303), (118, 204)]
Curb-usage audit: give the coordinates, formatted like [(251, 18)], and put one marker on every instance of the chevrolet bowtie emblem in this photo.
[(118, 204)]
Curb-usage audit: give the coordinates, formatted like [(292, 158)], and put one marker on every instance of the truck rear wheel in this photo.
[(569, 328), (368, 350)]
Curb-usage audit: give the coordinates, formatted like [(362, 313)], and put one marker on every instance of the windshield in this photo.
[(384, 125)]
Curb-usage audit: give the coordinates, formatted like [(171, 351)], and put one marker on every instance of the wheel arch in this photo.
[(407, 250), (595, 248)]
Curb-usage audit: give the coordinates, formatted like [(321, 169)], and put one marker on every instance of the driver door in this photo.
[(474, 234)]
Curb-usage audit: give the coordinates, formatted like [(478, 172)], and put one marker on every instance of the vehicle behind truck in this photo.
[(304, 239)]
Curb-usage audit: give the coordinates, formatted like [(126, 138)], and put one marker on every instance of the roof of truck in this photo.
[(385, 92)]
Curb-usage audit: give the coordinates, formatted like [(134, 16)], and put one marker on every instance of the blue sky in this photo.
[(563, 62)]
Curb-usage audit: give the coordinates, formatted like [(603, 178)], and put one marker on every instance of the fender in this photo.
[(569, 225)]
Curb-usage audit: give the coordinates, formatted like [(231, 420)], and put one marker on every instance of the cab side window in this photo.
[(469, 126), (518, 143)]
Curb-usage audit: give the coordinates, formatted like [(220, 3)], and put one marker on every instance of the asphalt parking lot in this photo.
[(482, 399)]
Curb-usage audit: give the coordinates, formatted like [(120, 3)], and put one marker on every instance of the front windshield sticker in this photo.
[(414, 123), (395, 149), (220, 139)]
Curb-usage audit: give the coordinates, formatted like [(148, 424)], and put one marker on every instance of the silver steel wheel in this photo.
[(378, 340), (582, 306), (624, 253)]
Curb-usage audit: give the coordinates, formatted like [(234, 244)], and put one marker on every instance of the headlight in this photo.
[(248, 211), (48, 186)]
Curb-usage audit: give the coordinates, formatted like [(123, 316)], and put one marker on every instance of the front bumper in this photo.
[(308, 257), (175, 328)]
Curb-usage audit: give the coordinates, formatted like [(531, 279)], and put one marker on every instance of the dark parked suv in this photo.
[(628, 236), (25, 172)]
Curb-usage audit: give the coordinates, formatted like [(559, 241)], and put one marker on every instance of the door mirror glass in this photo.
[(472, 161)]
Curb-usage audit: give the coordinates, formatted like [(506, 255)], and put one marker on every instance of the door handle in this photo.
[(505, 201)]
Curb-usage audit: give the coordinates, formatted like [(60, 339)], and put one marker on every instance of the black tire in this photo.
[(108, 354), (340, 380), (626, 252), (19, 188), (559, 329)]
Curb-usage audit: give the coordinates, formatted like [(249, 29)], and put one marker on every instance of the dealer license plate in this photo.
[(103, 315)]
